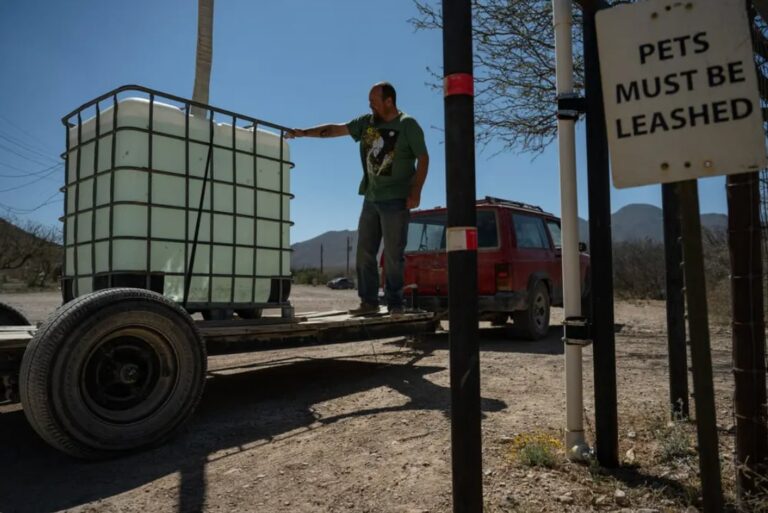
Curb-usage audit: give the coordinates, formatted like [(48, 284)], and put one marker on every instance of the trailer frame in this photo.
[(120, 370)]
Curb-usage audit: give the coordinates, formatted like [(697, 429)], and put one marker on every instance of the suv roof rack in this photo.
[(500, 201)]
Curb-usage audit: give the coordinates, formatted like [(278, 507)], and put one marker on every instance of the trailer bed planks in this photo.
[(320, 327)]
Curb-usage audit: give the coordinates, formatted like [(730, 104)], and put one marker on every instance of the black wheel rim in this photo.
[(540, 312), (128, 375)]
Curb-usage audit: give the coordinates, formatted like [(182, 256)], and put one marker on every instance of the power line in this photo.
[(38, 179), (25, 147), (6, 148), (30, 141), (31, 173), (9, 166), (17, 127), (48, 201)]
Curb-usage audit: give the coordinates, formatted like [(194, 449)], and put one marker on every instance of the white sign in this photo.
[(680, 91)]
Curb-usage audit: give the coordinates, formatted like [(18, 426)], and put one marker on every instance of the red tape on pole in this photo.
[(461, 238), (458, 83)]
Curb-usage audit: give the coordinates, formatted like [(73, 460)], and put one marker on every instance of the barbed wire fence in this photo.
[(759, 12)]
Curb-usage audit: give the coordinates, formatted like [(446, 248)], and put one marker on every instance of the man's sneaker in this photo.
[(365, 309), (396, 311)]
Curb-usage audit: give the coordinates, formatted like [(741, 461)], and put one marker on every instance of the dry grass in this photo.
[(757, 501)]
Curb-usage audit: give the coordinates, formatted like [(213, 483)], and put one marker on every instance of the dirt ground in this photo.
[(365, 427)]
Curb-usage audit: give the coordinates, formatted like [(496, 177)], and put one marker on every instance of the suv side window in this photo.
[(487, 234), (554, 231), (427, 233), (530, 232)]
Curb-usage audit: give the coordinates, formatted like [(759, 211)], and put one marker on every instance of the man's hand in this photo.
[(295, 132), (413, 200)]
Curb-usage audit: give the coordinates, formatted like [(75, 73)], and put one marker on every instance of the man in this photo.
[(395, 162)]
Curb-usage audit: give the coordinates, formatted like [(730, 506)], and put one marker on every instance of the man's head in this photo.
[(383, 101)]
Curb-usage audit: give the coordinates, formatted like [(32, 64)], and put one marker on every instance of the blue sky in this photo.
[(293, 62)]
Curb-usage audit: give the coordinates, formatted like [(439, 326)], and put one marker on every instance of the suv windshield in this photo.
[(427, 232)]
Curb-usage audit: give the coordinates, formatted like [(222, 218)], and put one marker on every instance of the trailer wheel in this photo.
[(533, 322), (111, 372), (9, 316)]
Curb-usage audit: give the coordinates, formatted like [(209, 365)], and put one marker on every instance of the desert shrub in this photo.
[(638, 269), (535, 450), (672, 436), (717, 268), (309, 276), (640, 273)]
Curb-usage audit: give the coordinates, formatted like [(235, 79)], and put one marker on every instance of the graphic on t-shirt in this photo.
[(379, 150)]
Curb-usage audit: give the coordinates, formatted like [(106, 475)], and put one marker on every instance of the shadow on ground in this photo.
[(501, 339), (634, 477), (236, 410)]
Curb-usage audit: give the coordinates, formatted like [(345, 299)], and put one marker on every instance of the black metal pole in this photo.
[(701, 358), (748, 331), (673, 255), (462, 257), (601, 254)]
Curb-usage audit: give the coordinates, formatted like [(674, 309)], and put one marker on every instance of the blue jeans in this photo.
[(388, 220)]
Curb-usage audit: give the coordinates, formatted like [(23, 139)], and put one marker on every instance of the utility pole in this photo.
[(461, 245), (203, 56), (349, 248)]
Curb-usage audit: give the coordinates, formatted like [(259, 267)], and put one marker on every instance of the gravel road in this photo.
[(365, 427)]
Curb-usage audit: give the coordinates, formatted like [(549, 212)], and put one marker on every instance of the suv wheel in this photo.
[(533, 323)]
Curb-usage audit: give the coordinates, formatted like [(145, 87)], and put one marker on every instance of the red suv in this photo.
[(519, 265)]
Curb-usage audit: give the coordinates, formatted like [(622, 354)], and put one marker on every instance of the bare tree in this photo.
[(204, 55), (514, 69), (22, 242), (30, 250)]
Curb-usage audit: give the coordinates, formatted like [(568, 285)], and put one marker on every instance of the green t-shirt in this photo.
[(388, 153)]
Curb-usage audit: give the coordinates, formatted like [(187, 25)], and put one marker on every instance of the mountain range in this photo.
[(636, 221)]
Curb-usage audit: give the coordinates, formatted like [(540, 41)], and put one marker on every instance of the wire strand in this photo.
[(48, 201)]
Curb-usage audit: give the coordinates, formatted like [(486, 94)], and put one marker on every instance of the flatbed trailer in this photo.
[(119, 370)]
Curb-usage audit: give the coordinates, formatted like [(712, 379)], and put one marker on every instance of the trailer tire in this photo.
[(9, 316), (111, 372), (533, 322)]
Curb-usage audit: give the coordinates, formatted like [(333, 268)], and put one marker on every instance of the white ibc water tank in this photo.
[(132, 197)]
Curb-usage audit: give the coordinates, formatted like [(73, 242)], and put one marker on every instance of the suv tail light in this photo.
[(503, 277)]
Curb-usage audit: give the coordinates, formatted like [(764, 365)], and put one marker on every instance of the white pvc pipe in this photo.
[(576, 446)]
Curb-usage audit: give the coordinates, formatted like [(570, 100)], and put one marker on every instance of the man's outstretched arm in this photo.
[(329, 130)]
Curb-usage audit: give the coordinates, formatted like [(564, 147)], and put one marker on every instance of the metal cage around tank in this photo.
[(100, 167)]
